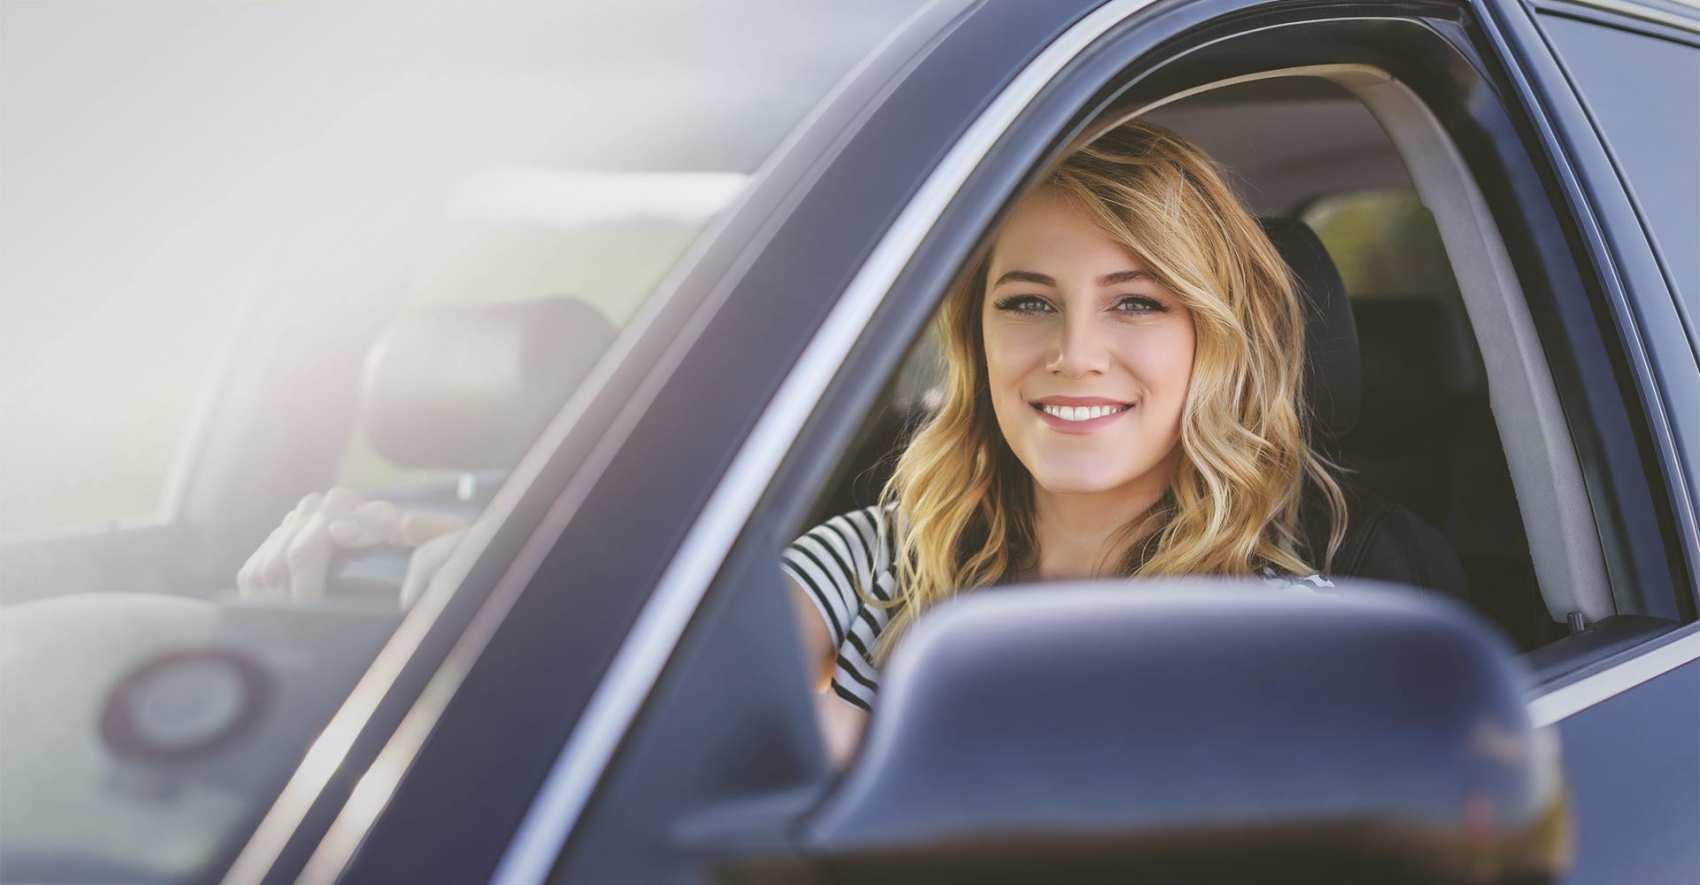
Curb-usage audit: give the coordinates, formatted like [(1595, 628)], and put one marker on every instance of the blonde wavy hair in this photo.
[(962, 503)]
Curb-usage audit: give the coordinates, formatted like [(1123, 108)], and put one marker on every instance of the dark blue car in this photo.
[(639, 294)]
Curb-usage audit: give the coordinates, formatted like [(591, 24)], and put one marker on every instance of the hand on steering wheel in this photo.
[(294, 561)]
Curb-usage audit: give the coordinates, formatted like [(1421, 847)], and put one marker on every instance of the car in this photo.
[(641, 294)]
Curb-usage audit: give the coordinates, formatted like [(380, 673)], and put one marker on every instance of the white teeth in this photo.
[(1080, 413)]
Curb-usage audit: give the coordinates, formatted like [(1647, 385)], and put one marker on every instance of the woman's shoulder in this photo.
[(867, 530), (875, 519)]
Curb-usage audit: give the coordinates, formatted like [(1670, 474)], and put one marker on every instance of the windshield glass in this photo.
[(257, 252)]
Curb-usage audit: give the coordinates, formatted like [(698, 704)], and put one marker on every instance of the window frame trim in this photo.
[(1641, 18), (1512, 30), (1549, 96), (552, 814)]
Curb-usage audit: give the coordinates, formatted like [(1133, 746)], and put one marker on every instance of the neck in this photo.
[(1076, 531)]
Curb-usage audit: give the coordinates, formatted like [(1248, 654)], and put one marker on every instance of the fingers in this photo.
[(248, 576), (273, 569), (374, 522), (425, 562), (418, 527), (380, 522), (260, 574), (294, 560), (308, 560), (269, 571), (307, 556)]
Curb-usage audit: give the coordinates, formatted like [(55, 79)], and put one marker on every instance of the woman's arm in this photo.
[(840, 723), (817, 643)]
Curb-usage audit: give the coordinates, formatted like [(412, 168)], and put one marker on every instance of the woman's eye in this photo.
[(1139, 304), (1024, 304)]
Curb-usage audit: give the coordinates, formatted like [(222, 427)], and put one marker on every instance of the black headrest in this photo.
[(471, 387), (1334, 383), (1416, 364)]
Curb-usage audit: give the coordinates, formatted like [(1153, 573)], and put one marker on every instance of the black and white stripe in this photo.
[(850, 550), (857, 549)]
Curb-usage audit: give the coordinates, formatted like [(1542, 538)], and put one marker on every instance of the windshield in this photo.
[(260, 251)]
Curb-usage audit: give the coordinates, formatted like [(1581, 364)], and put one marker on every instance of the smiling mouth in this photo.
[(1079, 414)]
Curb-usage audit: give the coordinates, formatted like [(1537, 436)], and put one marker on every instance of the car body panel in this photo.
[(1665, 370), (522, 645), (1631, 764), (432, 768), (1631, 759), (895, 329)]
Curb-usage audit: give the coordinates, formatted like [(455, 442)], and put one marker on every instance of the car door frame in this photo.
[(370, 839), (1667, 365), (1629, 721), (908, 302), (1664, 364)]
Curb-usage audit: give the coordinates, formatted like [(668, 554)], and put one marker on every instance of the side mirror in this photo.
[(1195, 731)]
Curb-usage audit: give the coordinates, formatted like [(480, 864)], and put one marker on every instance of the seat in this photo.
[(455, 394), (1385, 540), (1427, 438)]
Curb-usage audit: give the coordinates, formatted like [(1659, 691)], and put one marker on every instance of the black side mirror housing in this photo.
[(1198, 730)]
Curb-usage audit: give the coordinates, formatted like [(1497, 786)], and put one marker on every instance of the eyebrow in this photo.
[(1109, 279)]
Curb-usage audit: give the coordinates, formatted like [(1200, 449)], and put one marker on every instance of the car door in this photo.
[(693, 706), (1617, 87)]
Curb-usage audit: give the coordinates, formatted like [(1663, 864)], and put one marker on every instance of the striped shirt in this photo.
[(830, 561), (856, 549)]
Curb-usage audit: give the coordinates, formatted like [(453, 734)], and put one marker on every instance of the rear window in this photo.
[(1383, 241)]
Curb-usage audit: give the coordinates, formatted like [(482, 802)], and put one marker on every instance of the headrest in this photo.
[(471, 387), (1334, 375), (1417, 363)]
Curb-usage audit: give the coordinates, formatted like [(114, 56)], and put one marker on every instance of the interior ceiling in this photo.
[(1288, 140)]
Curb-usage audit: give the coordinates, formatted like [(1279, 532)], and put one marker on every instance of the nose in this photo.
[(1080, 349)]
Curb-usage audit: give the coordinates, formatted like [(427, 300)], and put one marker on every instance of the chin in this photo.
[(1076, 482)]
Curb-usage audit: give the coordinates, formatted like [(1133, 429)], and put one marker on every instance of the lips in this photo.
[(1079, 401), (1079, 414)]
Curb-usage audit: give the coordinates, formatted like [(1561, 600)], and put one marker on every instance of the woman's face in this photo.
[(1087, 356)]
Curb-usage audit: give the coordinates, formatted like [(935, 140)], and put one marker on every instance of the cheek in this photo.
[(1011, 353), (1162, 359)]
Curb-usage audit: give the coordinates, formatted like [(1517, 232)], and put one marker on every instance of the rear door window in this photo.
[(1644, 94)]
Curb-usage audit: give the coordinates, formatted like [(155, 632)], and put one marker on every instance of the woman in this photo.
[(1123, 396)]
